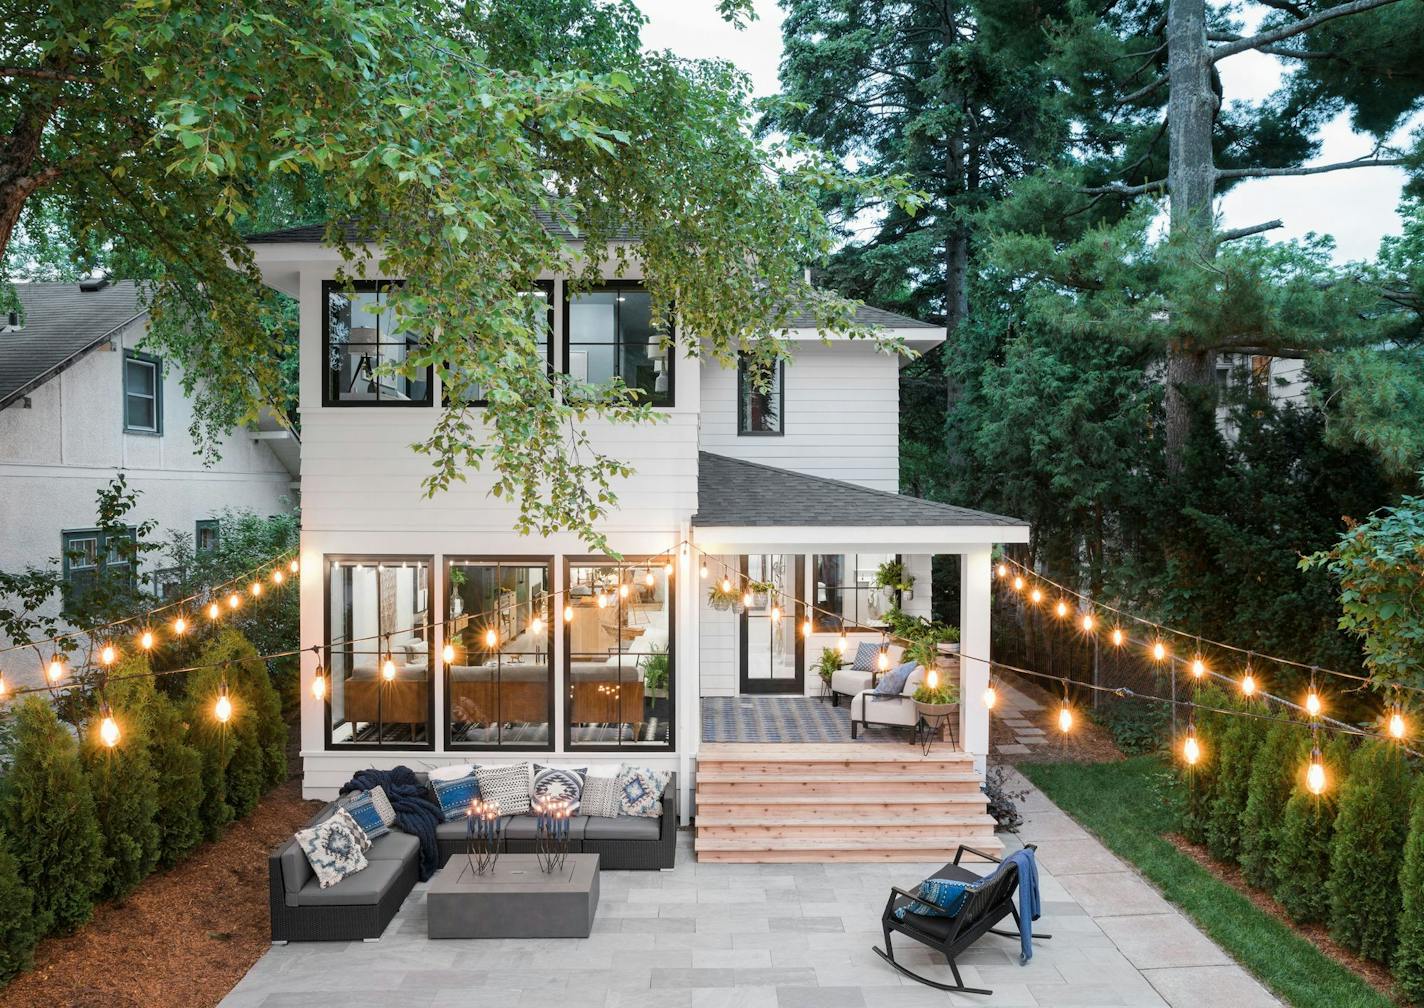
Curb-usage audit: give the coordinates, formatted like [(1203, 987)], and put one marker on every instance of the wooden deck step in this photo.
[(833, 819)]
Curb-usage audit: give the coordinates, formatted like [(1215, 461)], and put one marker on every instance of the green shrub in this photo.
[(1201, 780), (47, 812), (1301, 863), (1238, 745), (1409, 957), (1137, 727), (1367, 851), (178, 767), (18, 925), (1267, 792), (124, 785)]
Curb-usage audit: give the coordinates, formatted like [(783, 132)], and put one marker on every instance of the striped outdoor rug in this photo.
[(780, 719)]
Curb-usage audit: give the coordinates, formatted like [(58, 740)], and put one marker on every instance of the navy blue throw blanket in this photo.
[(416, 813)]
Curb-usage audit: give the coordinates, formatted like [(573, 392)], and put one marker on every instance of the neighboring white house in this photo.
[(557, 655), (80, 400)]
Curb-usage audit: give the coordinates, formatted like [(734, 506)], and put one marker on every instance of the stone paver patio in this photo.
[(784, 936)]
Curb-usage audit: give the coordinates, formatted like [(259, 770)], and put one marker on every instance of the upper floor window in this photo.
[(205, 534), (609, 333), (358, 337), (541, 309), (143, 393), (761, 398)]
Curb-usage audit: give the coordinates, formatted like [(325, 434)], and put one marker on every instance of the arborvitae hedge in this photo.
[(125, 785), (1269, 788), (1301, 864), (1238, 746), (1409, 956), (1367, 851), (18, 927), (1202, 778), (179, 769), (47, 814)]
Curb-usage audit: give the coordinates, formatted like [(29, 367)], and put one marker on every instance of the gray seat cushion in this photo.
[(450, 830), (364, 888), (624, 827), (394, 846), (522, 827)]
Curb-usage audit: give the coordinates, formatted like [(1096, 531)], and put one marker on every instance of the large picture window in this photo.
[(358, 337), (619, 665), (609, 333), (846, 593), (499, 683), (541, 307), (761, 405), (378, 652)]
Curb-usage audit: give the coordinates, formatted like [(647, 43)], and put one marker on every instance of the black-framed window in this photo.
[(609, 333), (143, 393), (358, 336), (846, 592), (499, 682), (761, 405), (620, 673), (205, 534), (541, 306), (378, 653), (85, 554)]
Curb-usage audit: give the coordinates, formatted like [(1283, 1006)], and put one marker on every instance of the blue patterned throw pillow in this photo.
[(333, 850), (948, 893), (364, 807), (865, 655), (563, 783), (642, 791), (892, 683), (455, 795)]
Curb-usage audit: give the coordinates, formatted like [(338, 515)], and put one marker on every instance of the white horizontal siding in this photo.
[(841, 415), (719, 634)]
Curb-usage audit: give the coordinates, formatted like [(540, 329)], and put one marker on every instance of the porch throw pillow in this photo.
[(508, 785), (332, 849), (865, 655), (451, 771), (340, 813), (455, 795), (602, 796), (370, 809), (948, 893), (641, 791), (563, 783), (892, 683)]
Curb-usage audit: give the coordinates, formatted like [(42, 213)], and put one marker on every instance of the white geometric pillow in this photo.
[(332, 849), (560, 783), (642, 791), (601, 794), (508, 785), (453, 771)]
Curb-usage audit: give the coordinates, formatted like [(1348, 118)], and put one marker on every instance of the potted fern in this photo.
[(828, 664), (936, 697), (726, 598)]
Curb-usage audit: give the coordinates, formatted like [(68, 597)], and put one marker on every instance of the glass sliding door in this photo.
[(773, 652)]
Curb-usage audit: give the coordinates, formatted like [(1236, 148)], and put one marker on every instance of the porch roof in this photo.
[(734, 492)]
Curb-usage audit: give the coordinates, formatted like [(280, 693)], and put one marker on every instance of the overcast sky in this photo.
[(1355, 206)]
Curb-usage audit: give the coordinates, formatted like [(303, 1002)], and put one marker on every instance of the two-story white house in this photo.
[(490, 645), (80, 399)]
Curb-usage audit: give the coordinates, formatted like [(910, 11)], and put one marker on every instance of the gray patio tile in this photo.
[(686, 979), (806, 924), (1116, 893), (820, 997), (734, 997), (1078, 857), (776, 976), (647, 999), (1210, 987), (728, 958), (1164, 940)]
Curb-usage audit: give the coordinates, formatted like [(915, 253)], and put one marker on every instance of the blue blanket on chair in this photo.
[(1030, 904), (416, 813)]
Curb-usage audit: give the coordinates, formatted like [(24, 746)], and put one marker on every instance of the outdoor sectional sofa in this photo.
[(361, 905)]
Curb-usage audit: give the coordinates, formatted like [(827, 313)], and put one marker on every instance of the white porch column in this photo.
[(974, 604)]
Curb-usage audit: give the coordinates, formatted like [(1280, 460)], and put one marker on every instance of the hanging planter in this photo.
[(760, 592), (724, 600)]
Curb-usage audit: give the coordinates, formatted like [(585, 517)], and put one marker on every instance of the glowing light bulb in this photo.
[(568, 614), (294, 566), (256, 589), (56, 670), (1312, 704), (222, 710), (536, 626), (1248, 684), (213, 611), (388, 669), (1035, 596), (319, 686), (1003, 570), (667, 569), (1061, 609), (1088, 623), (3, 687), (107, 655), (448, 653), (806, 628), (932, 679), (145, 640), (882, 660), (776, 614), (747, 598), (1315, 776), (108, 727), (991, 697), (277, 577), (1159, 651), (726, 584), (1018, 584), (649, 580), (702, 573), (1396, 725), (1198, 668), (602, 601), (1065, 719), (622, 591), (180, 626), (491, 638), (841, 642), (234, 600), (1117, 636), (1191, 749)]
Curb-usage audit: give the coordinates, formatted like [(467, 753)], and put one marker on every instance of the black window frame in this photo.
[(202, 525), (101, 554), (156, 364), (568, 683), (547, 562), (822, 616), (328, 287), (327, 560), (548, 287), (743, 388), (614, 287)]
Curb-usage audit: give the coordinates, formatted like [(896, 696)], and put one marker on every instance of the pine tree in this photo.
[(1301, 863), (1367, 851), (47, 813), (125, 785), (18, 930), (1239, 743), (1408, 962), (1272, 777)]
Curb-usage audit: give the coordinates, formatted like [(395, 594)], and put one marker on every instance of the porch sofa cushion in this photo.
[(363, 888), (448, 831), (394, 846), (623, 827), (455, 796), (523, 827)]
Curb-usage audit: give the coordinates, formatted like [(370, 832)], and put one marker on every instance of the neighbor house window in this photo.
[(143, 393), (608, 333), (540, 302), (845, 590), (499, 625), (761, 398), (359, 337), (205, 534), (88, 554), (378, 652), (619, 669)]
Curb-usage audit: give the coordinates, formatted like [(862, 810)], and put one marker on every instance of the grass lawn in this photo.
[(1130, 806)]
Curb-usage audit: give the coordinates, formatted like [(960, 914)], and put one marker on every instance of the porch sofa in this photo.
[(361, 905), (847, 681), (899, 711)]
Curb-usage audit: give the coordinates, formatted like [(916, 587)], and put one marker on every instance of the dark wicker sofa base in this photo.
[(325, 923)]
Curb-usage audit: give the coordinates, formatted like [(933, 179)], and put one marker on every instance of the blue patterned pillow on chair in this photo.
[(564, 783), (642, 791), (365, 808), (892, 683), (865, 655), (455, 795), (948, 893)]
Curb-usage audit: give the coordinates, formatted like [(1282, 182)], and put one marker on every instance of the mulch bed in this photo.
[(185, 937), (1087, 742), (1372, 973)]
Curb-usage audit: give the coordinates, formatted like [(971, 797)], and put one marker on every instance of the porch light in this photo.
[(747, 598), (448, 653), (294, 566), (1003, 570), (1315, 775), (568, 614), (108, 655), (702, 573), (806, 628), (56, 670), (649, 580), (841, 641), (213, 611), (319, 678), (388, 669), (667, 569), (180, 626), (602, 601), (536, 626), (108, 727), (991, 697), (145, 640), (622, 591), (222, 710), (1117, 636), (1191, 748), (726, 584), (932, 679), (775, 614), (882, 660)]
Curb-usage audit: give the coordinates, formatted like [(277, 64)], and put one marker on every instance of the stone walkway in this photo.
[(784, 936), (1016, 711)]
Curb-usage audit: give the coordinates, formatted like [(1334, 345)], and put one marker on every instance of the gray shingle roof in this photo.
[(867, 315), (734, 492), (61, 324)]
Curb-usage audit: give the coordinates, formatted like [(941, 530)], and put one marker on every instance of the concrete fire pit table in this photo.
[(515, 900)]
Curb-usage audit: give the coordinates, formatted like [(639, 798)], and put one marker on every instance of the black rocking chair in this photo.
[(949, 936)]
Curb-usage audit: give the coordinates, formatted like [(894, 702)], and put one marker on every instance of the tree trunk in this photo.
[(1191, 177)]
